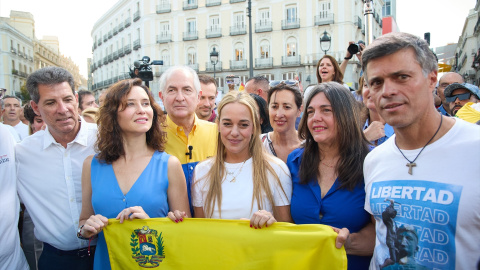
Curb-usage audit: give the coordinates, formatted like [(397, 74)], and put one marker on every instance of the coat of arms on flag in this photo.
[(147, 247)]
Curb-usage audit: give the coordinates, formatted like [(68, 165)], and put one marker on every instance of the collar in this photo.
[(81, 138), (212, 117), (179, 129)]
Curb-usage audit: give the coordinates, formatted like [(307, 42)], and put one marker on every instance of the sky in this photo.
[(72, 21)]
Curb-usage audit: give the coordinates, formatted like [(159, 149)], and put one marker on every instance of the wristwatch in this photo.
[(79, 233)]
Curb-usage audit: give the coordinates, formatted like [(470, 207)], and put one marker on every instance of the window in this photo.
[(214, 22), (238, 20), (290, 76), (291, 14), (238, 51), (291, 46), (387, 8), (191, 26), (166, 58), (164, 29), (324, 8), (191, 56), (264, 16), (264, 49)]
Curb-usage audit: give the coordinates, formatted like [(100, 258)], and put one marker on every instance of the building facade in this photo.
[(285, 37), (16, 54), (468, 48)]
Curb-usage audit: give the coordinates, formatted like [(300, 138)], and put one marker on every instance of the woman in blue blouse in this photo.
[(327, 173), (131, 176)]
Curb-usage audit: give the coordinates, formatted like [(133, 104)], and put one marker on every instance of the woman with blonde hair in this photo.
[(242, 180)]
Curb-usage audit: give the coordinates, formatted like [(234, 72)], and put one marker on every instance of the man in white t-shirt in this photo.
[(11, 254), (425, 177), (11, 115)]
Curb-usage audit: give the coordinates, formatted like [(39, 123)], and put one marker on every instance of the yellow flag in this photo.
[(196, 243), (241, 87)]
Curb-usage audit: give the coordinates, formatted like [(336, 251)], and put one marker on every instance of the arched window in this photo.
[(291, 46), (191, 56), (264, 49), (238, 51)]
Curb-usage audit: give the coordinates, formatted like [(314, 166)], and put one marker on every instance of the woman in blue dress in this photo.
[(130, 177), (327, 172)]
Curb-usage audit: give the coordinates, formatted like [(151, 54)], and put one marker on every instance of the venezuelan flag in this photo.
[(196, 243)]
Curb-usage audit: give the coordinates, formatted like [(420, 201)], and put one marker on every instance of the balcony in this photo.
[(264, 62), (238, 64), (164, 38), (163, 8), (20, 54), (194, 66), (120, 27), (128, 22), (110, 58), (209, 66), (213, 32), (292, 23), (127, 49), (238, 30), (211, 3), (263, 26), (115, 30), (236, 1), (190, 4), (99, 63), (160, 70), (105, 37), (136, 44), (22, 74), (115, 55), (110, 35), (291, 60), (121, 52), (13, 50), (105, 60), (190, 35), (324, 18), (14, 72), (358, 22), (30, 58), (99, 42), (136, 15)]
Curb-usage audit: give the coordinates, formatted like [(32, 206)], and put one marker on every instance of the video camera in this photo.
[(143, 69)]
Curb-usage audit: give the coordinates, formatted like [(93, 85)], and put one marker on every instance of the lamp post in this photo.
[(325, 42), (214, 59)]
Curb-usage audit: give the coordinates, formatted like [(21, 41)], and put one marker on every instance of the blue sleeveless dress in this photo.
[(149, 192)]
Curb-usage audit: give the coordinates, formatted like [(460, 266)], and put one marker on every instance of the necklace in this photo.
[(412, 163), (237, 171)]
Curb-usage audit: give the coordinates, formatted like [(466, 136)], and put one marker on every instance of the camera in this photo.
[(143, 69), (355, 48)]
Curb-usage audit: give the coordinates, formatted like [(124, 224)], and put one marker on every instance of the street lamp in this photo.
[(214, 59), (325, 42)]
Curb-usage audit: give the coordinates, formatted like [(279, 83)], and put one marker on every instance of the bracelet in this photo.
[(79, 234), (348, 58)]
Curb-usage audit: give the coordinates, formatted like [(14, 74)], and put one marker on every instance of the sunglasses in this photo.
[(459, 96), (287, 82)]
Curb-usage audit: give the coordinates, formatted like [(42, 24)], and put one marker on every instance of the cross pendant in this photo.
[(410, 166)]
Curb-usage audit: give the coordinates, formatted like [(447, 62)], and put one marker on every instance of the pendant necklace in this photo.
[(237, 171), (412, 163)]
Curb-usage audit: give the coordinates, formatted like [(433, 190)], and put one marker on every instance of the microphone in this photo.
[(189, 153)]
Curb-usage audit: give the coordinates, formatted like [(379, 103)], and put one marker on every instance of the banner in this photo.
[(196, 243)]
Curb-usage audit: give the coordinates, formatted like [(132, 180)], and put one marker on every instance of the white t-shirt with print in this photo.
[(440, 200)]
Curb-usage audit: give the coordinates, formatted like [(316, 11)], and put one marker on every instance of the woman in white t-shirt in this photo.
[(242, 180)]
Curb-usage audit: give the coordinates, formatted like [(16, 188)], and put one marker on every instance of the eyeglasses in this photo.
[(463, 96), (287, 82)]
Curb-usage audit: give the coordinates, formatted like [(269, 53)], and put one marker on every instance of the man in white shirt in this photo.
[(49, 165), (11, 254), (11, 115), (422, 183)]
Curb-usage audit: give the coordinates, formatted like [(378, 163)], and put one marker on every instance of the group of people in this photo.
[(344, 167)]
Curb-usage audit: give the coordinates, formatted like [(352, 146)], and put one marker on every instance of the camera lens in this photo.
[(353, 49)]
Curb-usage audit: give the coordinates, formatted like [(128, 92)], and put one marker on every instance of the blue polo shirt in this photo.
[(338, 208)]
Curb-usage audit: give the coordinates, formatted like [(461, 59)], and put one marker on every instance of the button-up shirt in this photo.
[(49, 184)]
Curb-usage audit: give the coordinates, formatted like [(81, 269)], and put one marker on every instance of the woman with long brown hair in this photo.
[(131, 177), (242, 180), (327, 172)]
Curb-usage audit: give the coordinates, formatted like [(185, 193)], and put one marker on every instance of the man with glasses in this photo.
[(447, 79), (459, 94)]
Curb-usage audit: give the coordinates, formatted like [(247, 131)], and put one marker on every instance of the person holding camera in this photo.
[(353, 49)]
